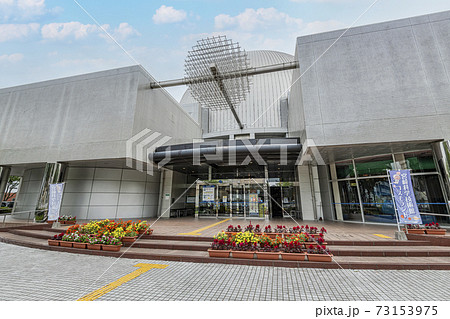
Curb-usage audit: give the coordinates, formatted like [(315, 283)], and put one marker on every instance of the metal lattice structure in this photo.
[(225, 64)]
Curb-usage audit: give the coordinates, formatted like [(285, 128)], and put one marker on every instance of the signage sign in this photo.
[(405, 201), (208, 193), (54, 200)]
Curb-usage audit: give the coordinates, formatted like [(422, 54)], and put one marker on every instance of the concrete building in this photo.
[(326, 133)]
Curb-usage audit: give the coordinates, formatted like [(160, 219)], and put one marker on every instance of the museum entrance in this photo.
[(245, 198)]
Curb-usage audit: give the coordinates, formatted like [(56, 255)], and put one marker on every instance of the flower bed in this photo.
[(101, 235), (249, 245), (67, 220)]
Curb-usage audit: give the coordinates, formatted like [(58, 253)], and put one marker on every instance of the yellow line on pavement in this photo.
[(197, 232), (382, 236), (104, 290)]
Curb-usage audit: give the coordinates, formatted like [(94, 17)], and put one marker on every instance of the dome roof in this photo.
[(261, 109)]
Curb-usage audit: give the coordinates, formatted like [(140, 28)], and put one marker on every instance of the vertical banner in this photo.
[(54, 201), (405, 201)]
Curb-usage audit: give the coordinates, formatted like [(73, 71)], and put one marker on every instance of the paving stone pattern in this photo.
[(33, 274)]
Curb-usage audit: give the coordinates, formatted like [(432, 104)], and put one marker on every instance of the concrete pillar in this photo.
[(317, 196), (5, 171), (336, 195), (166, 194), (306, 193), (400, 162), (53, 173)]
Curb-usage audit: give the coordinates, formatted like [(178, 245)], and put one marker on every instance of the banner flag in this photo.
[(405, 201), (54, 201)]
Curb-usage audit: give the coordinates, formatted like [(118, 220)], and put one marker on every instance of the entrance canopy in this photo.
[(245, 157)]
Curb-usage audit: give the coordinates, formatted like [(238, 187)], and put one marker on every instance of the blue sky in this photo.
[(47, 39)]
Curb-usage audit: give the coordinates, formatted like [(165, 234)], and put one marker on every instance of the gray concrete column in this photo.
[(53, 173), (336, 194), (441, 152), (166, 199), (306, 193), (5, 171)]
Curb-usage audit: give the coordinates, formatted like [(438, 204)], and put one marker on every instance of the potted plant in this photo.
[(220, 247), (243, 245), (249, 228), (434, 229), (71, 220), (257, 230), (414, 229), (94, 243), (55, 240), (141, 227), (318, 253), (293, 251), (80, 240), (110, 243), (67, 240), (130, 236), (268, 248)]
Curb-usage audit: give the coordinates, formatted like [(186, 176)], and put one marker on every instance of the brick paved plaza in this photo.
[(32, 274)]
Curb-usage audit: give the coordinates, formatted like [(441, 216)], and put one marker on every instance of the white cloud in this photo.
[(17, 31), (60, 31), (168, 15), (15, 57), (252, 19), (122, 32), (22, 9)]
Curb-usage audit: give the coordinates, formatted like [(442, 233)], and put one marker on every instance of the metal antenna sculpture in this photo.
[(224, 66)]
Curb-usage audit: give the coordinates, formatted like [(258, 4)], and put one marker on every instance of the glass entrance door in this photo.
[(224, 200), (238, 200), (231, 198)]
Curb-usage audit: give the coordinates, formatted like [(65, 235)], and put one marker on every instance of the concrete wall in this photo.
[(81, 117), (378, 83), (86, 117), (97, 193), (159, 112)]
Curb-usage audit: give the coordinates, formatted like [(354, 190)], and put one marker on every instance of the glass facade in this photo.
[(246, 198), (364, 192)]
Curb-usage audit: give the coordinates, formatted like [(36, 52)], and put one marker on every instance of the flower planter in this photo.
[(267, 255), (111, 247), (319, 257), (53, 242), (70, 222), (94, 246), (79, 245), (416, 231), (435, 231), (50, 222), (219, 253), (145, 232), (293, 256), (129, 240), (242, 254), (65, 243)]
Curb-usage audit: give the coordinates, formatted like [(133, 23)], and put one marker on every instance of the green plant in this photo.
[(108, 240)]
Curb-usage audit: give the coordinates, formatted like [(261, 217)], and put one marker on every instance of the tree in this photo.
[(11, 188)]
